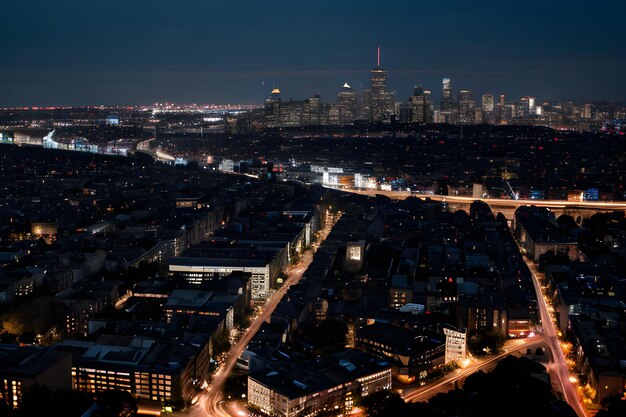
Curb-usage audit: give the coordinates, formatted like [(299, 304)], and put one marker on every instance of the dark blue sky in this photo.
[(202, 51)]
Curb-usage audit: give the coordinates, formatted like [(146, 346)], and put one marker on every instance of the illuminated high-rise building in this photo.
[(467, 106), (272, 108), (275, 95), (526, 107), (447, 103), (420, 106), (487, 103), (487, 109), (347, 105), (378, 103), (312, 111)]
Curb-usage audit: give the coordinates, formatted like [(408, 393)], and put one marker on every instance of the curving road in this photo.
[(446, 383), (559, 365), (211, 401)]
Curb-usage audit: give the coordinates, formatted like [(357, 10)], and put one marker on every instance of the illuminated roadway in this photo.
[(211, 401), (446, 383), (493, 202), (144, 146), (559, 365)]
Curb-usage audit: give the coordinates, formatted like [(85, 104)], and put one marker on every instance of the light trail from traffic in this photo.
[(550, 333), (446, 383)]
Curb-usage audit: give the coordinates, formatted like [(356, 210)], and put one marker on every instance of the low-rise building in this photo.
[(307, 385), (600, 353), (168, 372), (412, 353), (538, 232), (24, 366), (208, 303), (196, 270)]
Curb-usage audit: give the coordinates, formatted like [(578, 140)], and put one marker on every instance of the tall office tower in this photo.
[(420, 106), (275, 95), (346, 105), (503, 111), (467, 106), (378, 103), (487, 103), (272, 109), (312, 111), (447, 103), (526, 107)]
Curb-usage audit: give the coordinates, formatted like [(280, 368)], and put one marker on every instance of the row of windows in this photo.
[(11, 390)]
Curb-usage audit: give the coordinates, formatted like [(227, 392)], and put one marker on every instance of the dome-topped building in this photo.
[(275, 95)]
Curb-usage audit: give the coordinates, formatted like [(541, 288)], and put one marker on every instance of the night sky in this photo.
[(203, 51)]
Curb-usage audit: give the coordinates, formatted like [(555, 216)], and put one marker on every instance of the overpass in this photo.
[(579, 210), (156, 154)]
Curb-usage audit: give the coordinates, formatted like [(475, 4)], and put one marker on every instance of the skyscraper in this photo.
[(526, 107), (488, 108), (313, 111), (447, 103), (420, 106), (487, 103), (272, 108), (467, 105), (378, 103), (346, 105)]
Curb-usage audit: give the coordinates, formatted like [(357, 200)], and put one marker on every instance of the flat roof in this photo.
[(180, 263), (296, 378), (27, 361)]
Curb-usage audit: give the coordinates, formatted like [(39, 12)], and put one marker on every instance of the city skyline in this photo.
[(312, 209), (146, 53)]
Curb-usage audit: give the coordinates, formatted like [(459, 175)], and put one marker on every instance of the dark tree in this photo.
[(117, 403), (613, 407), (383, 404), (483, 342), (329, 333)]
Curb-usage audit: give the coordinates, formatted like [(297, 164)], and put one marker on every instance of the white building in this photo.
[(456, 345), (196, 270)]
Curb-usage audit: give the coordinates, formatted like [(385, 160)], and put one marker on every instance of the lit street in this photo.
[(446, 383), (550, 333), (211, 401), (294, 209)]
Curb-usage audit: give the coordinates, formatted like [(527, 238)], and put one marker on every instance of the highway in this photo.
[(494, 202), (157, 154), (559, 365), (447, 382), (211, 401)]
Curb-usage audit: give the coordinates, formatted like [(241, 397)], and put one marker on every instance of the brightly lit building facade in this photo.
[(197, 270), (165, 372)]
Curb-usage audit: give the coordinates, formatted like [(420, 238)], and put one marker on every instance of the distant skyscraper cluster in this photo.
[(377, 104)]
